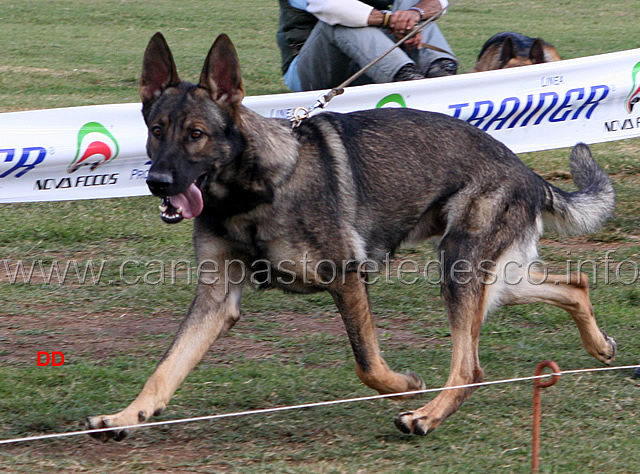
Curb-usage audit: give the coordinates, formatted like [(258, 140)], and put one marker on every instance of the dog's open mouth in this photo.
[(186, 205)]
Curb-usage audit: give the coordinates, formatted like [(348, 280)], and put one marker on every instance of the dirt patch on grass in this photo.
[(101, 337), (82, 454), (583, 244)]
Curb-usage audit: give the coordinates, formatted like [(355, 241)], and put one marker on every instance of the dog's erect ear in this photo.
[(507, 52), (221, 73), (158, 70), (537, 52)]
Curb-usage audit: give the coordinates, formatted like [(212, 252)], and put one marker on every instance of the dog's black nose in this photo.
[(159, 183)]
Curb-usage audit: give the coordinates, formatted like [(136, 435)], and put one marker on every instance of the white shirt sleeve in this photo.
[(340, 12)]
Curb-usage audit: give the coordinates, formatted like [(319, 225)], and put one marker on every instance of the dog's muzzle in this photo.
[(173, 209)]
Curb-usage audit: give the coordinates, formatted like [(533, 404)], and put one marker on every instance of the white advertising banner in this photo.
[(99, 151)]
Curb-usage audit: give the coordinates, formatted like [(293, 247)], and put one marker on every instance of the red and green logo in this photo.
[(634, 96), (96, 146)]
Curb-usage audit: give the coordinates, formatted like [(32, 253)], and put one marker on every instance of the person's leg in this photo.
[(328, 56), (431, 62), (434, 63)]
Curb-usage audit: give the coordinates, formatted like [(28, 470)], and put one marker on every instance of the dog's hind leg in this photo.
[(353, 302), (570, 293), (465, 301), (214, 310)]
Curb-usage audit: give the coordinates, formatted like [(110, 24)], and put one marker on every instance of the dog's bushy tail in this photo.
[(586, 210)]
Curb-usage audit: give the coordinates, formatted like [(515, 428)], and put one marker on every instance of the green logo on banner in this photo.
[(392, 100), (96, 146)]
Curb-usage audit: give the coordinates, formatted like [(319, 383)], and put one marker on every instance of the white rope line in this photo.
[(310, 405)]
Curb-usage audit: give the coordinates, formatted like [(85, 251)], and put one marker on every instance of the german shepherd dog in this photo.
[(508, 49), (339, 192)]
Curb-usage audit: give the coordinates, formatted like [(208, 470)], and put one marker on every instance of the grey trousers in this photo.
[(332, 54)]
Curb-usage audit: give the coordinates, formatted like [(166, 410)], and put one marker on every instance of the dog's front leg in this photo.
[(352, 300), (214, 310)]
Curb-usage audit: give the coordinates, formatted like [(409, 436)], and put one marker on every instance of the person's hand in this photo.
[(402, 22), (413, 42)]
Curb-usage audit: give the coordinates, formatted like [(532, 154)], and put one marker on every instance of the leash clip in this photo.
[(302, 113), (299, 114)]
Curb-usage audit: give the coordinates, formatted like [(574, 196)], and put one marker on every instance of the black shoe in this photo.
[(442, 67), (408, 72)]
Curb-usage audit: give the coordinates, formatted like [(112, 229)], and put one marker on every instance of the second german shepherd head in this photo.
[(508, 49)]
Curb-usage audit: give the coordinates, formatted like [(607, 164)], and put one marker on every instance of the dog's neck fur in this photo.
[(271, 145), (267, 159)]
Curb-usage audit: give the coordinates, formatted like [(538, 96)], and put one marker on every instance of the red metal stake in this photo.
[(537, 385)]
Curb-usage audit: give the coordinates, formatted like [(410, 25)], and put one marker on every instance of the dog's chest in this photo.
[(251, 231)]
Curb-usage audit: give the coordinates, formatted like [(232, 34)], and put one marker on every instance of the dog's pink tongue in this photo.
[(190, 201)]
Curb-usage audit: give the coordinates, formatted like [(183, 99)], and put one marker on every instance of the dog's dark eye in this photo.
[(196, 134), (156, 130)]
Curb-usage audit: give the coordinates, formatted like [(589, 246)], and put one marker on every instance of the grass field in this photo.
[(287, 349)]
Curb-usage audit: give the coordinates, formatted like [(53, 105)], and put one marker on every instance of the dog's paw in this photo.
[(416, 383), (411, 382), (609, 355), (101, 422), (408, 423)]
